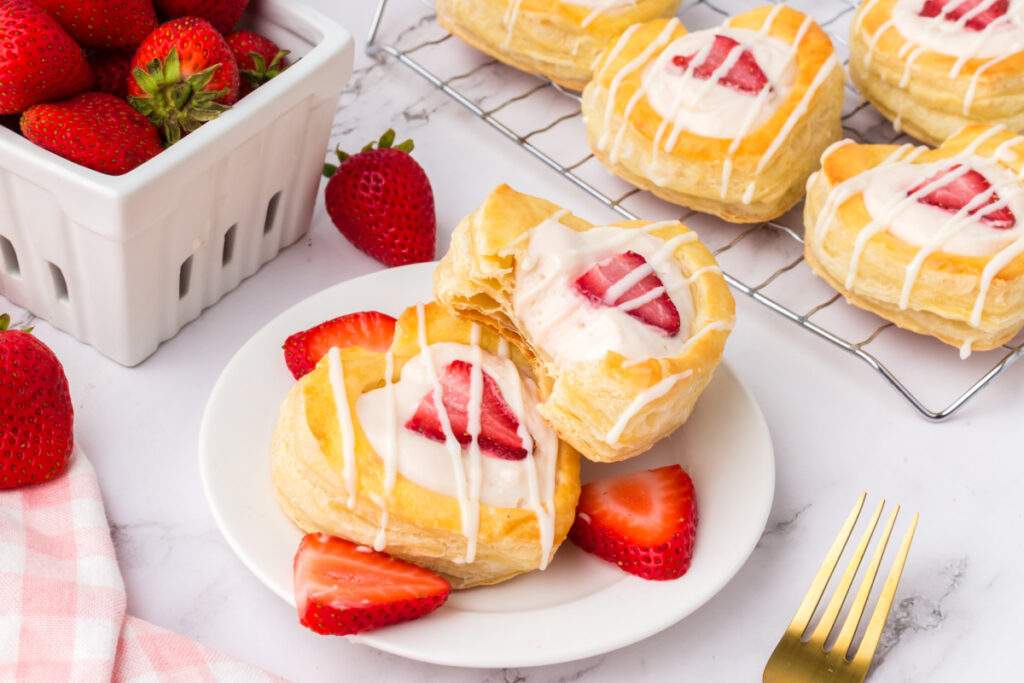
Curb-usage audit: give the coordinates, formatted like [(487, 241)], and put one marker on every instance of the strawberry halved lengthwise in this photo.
[(371, 330), (499, 428), (659, 312), (645, 522), (954, 10), (745, 75), (961, 189), (342, 588)]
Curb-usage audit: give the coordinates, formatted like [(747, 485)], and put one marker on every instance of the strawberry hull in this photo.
[(78, 246)]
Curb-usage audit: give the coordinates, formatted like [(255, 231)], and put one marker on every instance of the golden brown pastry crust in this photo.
[(930, 104), (585, 400), (947, 288), (423, 526), (547, 37), (691, 173)]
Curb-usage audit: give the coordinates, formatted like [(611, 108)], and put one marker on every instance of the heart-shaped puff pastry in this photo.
[(932, 240), (556, 39), (933, 66), (626, 322), (730, 120), (439, 457)]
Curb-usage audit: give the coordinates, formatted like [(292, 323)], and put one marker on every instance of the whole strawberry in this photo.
[(380, 199), (259, 58), (36, 415), (93, 129), (111, 68), (39, 61), (183, 75), (223, 14), (104, 23)]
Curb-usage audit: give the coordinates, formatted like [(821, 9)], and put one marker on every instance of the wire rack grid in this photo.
[(808, 302)]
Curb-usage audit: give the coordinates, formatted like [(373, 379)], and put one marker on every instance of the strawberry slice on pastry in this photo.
[(499, 428), (647, 300), (978, 19), (745, 75), (959, 192)]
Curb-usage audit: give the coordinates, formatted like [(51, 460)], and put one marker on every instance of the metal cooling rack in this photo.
[(859, 121)]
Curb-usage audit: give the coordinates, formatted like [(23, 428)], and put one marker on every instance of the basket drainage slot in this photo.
[(268, 224), (9, 256), (184, 278), (228, 252), (60, 285)]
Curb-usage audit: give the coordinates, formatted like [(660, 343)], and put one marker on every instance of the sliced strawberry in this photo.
[(499, 428), (370, 330), (745, 75), (958, 192), (660, 312), (977, 22), (644, 522), (343, 588)]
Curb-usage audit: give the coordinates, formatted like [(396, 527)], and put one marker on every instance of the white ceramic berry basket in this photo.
[(124, 262)]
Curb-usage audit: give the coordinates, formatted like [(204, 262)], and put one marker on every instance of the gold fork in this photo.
[(806, 661)]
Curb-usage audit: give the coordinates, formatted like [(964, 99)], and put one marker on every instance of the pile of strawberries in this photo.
[(105, 84)]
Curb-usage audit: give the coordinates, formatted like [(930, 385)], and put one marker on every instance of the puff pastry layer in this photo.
[(729, 121), (932, 240), (556, 39), (329, 477), (607, 405), (931, 68)]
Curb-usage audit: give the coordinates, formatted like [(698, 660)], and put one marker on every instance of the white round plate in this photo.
[(580, 606)]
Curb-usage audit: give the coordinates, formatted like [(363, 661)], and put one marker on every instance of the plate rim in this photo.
[(469, 658)]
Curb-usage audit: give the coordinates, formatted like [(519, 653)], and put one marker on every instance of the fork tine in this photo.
[(867, 647), (835, 604), (842, 644), (828, 565)]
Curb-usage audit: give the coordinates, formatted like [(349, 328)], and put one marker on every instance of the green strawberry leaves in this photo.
[(386, 141), (262, 71), (178, 106)]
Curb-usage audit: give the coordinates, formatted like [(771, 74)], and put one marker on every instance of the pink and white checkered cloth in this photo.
[(62, 600)]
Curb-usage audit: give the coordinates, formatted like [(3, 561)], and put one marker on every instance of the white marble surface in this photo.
[(837, 429)]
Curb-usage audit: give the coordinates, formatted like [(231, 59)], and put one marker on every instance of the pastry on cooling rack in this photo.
[(933, 66), (932, 240), (556, 39), (435, 451), (730, 120), (626, 322)]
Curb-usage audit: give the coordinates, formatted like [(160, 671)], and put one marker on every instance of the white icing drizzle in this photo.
[(380, 541), (543, 507), (696, 275), (966, 348), (882, 222), (867, 7), (972, 87), (982, 37), (839, 194), (678, 102), (640, 401), (390, 452), (759, 102), (601, 8), (794, 117), (336, 376), (993, 268), (633, 277), (616, 50), (873, 41), (510, 19), (948, 229), (451, 443), (636, 63), (473, 408), (525, 234)]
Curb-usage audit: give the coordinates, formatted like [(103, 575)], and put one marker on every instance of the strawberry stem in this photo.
[(386, 141), (178, 106), (262, 71)]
